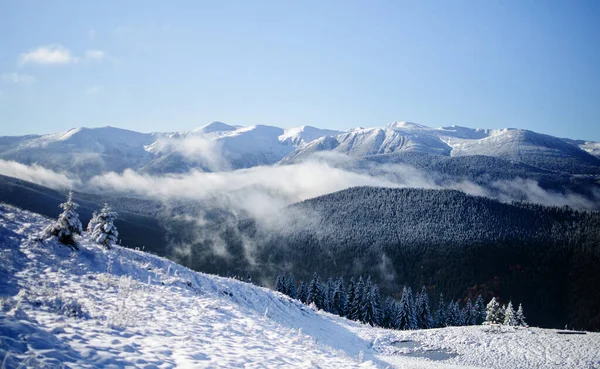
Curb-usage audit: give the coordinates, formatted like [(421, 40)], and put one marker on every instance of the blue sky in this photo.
[(163, 66)]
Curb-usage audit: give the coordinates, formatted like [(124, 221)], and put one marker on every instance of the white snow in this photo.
[(98, 308), (217, 146)]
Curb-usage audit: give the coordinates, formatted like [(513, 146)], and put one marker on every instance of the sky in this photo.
[(167, 66)]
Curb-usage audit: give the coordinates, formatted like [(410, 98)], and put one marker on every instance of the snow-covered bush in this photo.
[(125, 313), (67, 225), (104, 232)]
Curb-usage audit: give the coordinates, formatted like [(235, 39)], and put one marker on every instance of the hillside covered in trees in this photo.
[(452, 243)]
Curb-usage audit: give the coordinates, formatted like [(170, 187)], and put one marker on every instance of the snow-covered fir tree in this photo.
[(440, 313), (92, 223), (501, 313), (302, 292), (355, 309), (371, 307), (328, 295), (480, 310), (405, 318), (510, 316), (67, 225), (315, 292), (280, 283), (454, 314), (339, 298), (105, 233), (290, 286), (423, 311), (389, 313), (493, 312), (469, 313), (349, 297), (521, 317)]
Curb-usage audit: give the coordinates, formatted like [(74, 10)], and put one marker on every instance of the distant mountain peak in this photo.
[(215, 127)]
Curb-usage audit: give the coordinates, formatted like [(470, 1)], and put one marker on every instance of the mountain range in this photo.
[(87, 152)]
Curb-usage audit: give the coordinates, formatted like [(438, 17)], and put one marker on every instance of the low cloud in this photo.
[(36, 174), (48, 55)]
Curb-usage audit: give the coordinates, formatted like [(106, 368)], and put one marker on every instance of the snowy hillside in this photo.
[(95, 308)]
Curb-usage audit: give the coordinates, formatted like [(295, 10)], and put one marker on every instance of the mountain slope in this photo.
[(84, 152), (218, 146), (453, 243), (118, 308), (528, 147)]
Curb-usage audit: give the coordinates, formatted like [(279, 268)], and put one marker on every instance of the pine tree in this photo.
[(406, 313), (357, 302), (315, 292), (339, 298), (480, 312), (92, 223), (492, 312), (302, 292), (423, 311), (389, 313), (440, 313), (371, 307), (469, 313), (280, 283), (510, 317), (349, 298), (105, 233), (290, 286), (67, 225), (521, 317), (328, 295), (454, 315), (501, 314)]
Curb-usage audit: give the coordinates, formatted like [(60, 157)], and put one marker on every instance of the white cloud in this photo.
[(94, 90), (95, 54), (18, 78), (48, 55), (36, 174)]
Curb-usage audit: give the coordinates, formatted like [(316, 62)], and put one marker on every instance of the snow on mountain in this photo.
[(509, 143), (218, 146), (83, 151), (299, 135), (98, 308)]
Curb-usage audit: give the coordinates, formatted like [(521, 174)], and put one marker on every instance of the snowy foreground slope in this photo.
[(125, 308)]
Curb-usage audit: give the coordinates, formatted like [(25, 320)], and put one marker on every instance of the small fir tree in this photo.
[(92, 223), (105, 233), (521, 317), (440, 312), (480, 311), (493, 312), (290, 286), (510, 316), (67, 225)]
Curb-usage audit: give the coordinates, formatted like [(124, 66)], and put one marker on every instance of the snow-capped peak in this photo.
[(214, 127)]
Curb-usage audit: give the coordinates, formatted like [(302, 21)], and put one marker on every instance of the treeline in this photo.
[(460, 245), (360, 300)]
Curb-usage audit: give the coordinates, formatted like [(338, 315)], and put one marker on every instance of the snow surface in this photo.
[(117, 308)]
